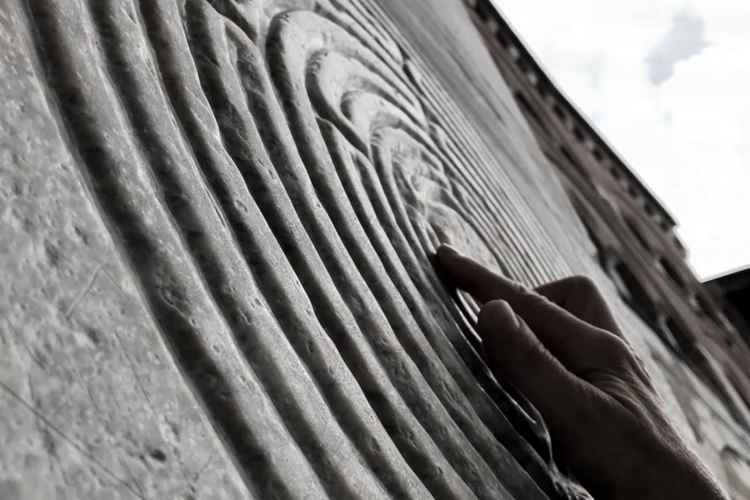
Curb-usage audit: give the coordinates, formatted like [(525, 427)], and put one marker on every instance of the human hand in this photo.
[(560, 346)]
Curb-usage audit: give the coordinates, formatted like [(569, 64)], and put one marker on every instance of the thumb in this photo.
[(516, 356)]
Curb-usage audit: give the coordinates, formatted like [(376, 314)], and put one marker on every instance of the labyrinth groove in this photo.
[(276, 177)]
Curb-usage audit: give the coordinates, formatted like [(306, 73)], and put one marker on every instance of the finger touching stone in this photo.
[(516, 356)]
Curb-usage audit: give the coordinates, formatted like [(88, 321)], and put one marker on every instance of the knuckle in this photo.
[(615, 349), (520, 289), (583, 284), (531, 296)]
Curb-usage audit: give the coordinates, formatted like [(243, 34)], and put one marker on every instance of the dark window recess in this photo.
[(675, 337), (590, 232), (600, 254), (632, 291), (529, 111), (569, 157), (615, 171), (559, 111), (632, 190), (501, 39), (485, 10), (649, 208), (671, 272), (583, 215), (594, 239), (597, 155), (702, 306), (710, 373), (736, 310), (578, 134), (669, 333), (637, 233)]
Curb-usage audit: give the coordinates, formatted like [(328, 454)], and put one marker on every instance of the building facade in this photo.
[(632, 233), (218, 223)]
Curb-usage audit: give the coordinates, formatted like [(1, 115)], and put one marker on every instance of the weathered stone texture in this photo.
[(689, 337), (217, 221)]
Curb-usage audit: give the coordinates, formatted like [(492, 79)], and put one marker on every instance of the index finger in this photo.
[(480, 282), (577, 343)]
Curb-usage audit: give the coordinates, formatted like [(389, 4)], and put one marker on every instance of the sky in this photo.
[(667, 82)]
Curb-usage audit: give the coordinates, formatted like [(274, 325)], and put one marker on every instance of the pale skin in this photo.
[(560, 346)]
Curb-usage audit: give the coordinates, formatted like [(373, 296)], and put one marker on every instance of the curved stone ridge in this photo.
[(276, 179), (273, 177)]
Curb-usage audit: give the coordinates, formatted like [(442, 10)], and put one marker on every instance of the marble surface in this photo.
[(217, 221)]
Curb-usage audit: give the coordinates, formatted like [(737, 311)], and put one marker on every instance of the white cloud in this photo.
[(685, 132), (685, 39)]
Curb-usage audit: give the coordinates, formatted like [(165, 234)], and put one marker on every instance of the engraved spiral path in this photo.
[(279, 225)]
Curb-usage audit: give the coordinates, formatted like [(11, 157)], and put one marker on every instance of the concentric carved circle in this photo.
[(276, 181)]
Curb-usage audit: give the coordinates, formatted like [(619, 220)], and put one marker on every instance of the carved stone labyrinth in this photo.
[(275, 176)]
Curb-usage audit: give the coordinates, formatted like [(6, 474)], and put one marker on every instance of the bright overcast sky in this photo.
[(668, 84)]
